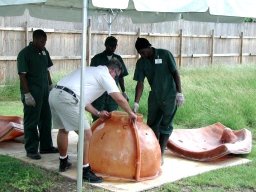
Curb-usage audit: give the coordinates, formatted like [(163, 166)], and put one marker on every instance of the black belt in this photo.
[(67, 90)]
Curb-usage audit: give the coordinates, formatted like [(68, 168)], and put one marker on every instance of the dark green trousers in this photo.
[(37, 124), (104, 102), (161, 115)]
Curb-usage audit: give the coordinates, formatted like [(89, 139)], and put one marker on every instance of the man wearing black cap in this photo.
[(159, 67), (105, 102)]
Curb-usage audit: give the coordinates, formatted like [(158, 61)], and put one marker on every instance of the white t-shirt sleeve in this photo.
[(108, 83)]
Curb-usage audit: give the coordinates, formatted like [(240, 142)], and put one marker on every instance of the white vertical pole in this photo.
[(81, 111), (110, 24)]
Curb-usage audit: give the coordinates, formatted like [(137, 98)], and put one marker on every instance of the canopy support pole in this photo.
[(112, 15), (81, 110)]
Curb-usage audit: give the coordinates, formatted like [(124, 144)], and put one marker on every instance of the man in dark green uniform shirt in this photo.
[(35, 82), (159, 67), (105, 102)]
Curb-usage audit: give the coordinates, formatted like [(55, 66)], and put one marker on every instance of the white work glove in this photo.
[(125, 96), (50, 87), (136, 107), (179, 99), (29, 99)]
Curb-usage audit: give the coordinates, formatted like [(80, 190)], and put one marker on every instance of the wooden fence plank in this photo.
[(65, 45), (212, 46), (180, 48), (241, 47)]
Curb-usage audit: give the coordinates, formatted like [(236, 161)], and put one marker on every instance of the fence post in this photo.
[(89, 42), (212, 48), (180, 51), (241, 47), (26, 34)]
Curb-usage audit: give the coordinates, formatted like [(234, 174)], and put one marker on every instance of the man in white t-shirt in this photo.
[(64, 101)]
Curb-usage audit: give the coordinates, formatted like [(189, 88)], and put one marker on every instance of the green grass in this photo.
[(11, 108), (223, 94), (213, 94), (10, 92), (18, 176)]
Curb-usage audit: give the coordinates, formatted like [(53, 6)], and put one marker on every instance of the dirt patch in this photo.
[(62, 184)]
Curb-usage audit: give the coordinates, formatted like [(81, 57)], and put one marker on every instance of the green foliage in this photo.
[(11, 108), (249, 20), (218, 94), (10, 92)]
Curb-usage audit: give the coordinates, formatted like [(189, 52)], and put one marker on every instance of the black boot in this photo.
[(163, 139), (64, 164), (89, 176)]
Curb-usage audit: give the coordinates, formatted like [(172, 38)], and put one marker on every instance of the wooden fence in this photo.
[(188, 49)]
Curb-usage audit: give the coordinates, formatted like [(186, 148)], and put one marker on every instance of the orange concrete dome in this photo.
[(125, 150)]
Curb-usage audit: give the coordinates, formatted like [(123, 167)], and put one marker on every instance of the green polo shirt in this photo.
[(35, 64), (158, 73), (102, 59)]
